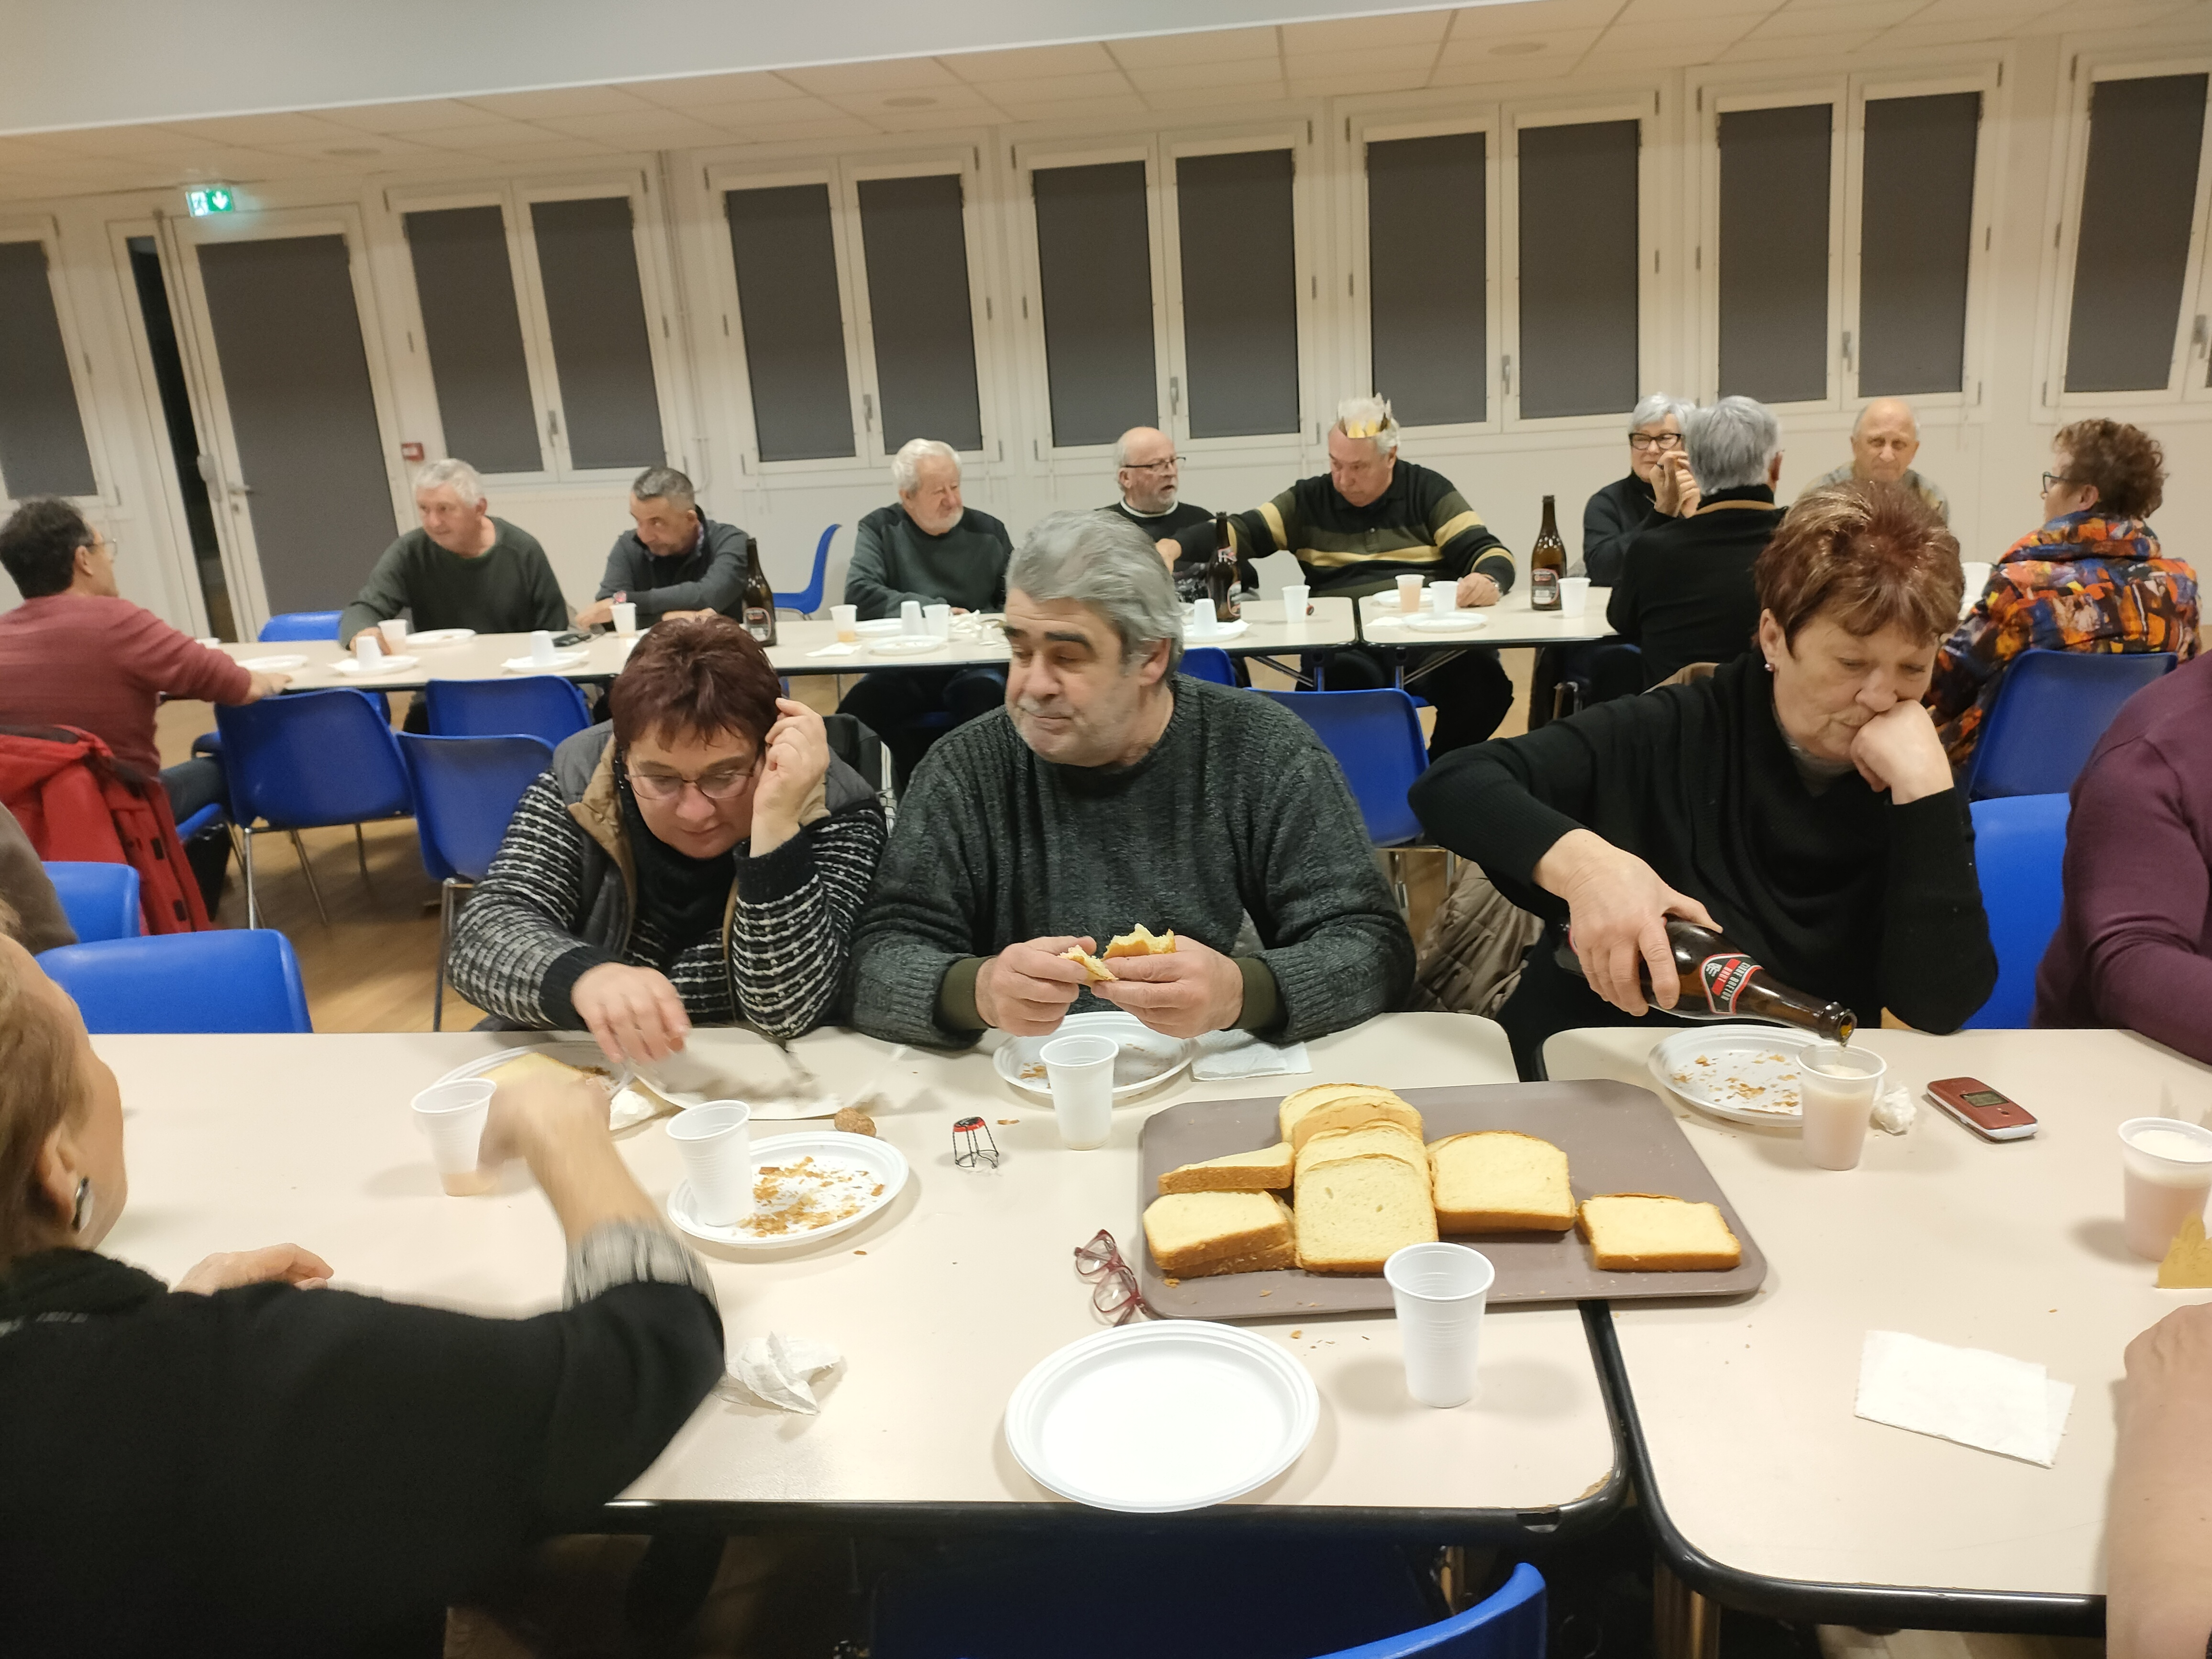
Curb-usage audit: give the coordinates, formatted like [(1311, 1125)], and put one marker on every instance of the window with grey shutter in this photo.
[(1915, 240), (472, 331), (794, 332), (1427, 253), (42, 444), (2138, 196), (914, 240), (1095, 276), (1240, 292), (1580, 265), (595, 310), (1774, 252)]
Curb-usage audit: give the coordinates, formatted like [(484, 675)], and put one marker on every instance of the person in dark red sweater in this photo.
[(75, 653)]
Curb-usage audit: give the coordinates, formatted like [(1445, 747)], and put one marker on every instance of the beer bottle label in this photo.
[(1544, 588), (1724, 979), (756, 623)]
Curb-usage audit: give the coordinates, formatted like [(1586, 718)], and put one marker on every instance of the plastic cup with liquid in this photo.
[(394, 634), (1837, 1088), (848, 619), (1574, 595), (717, 1142), (1409, 594), (1080, 1070), (2166, 1166), (625, 619), (451, 1116), (1298, 602), (1439, 1293), (541, 647)]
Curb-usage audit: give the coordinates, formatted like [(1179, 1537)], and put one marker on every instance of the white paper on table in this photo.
[(1239, 1053), (1894, 1112), (1988, 1401), (781, 1369), (837, 650)]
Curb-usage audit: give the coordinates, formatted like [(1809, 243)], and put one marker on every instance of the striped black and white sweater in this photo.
[(560, 897)]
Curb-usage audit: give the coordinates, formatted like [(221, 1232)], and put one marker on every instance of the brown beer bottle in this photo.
[(759, 602), (1548, 562), (1716, 980), (1221, 574)]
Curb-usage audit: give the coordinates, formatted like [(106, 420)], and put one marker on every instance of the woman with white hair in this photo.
[(1611, 518)]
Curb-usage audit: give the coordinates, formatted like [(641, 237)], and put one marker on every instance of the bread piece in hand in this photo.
[(1494, 1181), (1097, 970), (1375, 1136), (1266, 1170), (1648, 1233), (1140, 941), (1353, 1212), (1193, 1234), (1340, 1106)]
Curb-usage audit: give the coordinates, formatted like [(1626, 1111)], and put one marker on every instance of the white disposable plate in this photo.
[(858, 1166), (441, 636), (1220, 630), (901, 645), (381, 665), (626, 1106), (1148, 1058), (1745, 1074), (1456, 622), (272, 665), (881, 625), (1154, 1418), (561, 659)]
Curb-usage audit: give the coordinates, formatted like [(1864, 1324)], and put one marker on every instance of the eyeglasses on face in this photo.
[(2051, 480), (717, 783), (1168, 466), (1642, 441)]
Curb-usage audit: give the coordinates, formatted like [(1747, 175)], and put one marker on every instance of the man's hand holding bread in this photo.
[(1026, 988), (1185, 992)]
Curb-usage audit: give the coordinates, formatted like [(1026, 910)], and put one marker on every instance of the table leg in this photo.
[(1684, 1623)]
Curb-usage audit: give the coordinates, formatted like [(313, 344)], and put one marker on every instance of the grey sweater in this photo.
[(708, 575), (508, 589), (1237, 811), (895, 559)]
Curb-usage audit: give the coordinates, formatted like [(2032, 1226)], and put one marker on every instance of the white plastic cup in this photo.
[(451, 1116), (368, 648), (1298, 602), (848, 618), (717, 1142), (1080, 1070), (2167, 1165), (1409, 594), (1443, 599), (938, 620), (625, 617), (1440, 1291), (1837, 1088), (1201, 616), (394, 631), (1574, 595), (910, 622), (541, 647)]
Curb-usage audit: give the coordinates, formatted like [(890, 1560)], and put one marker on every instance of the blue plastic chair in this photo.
[(1209, 662), (2051, 709), (808, 599), (208, 815), (1376, 737), (306, 761), (531, 705), (302, 625), (99, 900), (229, 981), (2019, 853), (465, 789)]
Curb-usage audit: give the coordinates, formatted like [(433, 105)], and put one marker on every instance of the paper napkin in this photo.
[(837, 650), (781, 1369), (1988, 1401), (1239, 1053), (1894, 1112)]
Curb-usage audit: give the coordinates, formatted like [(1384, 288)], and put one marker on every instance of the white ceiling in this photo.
[(1184, 73)]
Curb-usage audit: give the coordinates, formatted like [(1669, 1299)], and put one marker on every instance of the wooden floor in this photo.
[(372, 966)]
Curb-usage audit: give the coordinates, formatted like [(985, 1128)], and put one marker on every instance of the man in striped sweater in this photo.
[(701, 860)]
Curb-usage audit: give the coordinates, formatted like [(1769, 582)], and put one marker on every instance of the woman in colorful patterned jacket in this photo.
[(2093, 579)]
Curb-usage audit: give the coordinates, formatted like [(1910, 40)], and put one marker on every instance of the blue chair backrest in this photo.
[(101, 900), (534, 705), (234, 980), (2051, 709), (312, 758), (1506, 1625), (1209, 662), (2019, 853), (465, 789), (1376, 737), (302, 625), (808, 599)]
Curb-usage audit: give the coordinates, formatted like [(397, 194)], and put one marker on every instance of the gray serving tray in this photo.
[(1618, 1139)]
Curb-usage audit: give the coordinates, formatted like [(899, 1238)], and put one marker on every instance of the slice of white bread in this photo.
[(535, 1065), (1648, 1233), (1283, 1254), (1340, 1106), (1378, 1134), (1266, 1170), (1099, 971), (1140, 941), (1194, 1234), (1352, 1212), (1494, 1181)]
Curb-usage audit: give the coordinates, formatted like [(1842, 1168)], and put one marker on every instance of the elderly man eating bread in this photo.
[(1111, 792)]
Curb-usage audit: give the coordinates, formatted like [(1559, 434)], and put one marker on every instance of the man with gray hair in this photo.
[(1111, 790), (1148, 470), (459, 568), (1884, 440), (673, 561), (1685, 594), (928, 548)]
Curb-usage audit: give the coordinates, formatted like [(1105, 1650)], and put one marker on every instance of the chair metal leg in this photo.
[(308, 871), (361, 852), (445, 952), (244, 837), (1451, 870)]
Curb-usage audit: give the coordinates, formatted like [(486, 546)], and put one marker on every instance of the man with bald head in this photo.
[(1884, 440), (1149, 472)]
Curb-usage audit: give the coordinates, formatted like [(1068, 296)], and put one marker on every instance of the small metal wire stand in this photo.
[(972, 1143)]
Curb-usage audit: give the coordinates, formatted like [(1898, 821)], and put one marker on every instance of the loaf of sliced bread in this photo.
[(1646, 1232), (1195, 1233), (1340, 1106), (1266, 1170), (1352, 1212), (1494, 1181), (1375, 1136)]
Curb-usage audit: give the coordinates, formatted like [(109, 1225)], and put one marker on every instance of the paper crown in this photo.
[(1367, 429)]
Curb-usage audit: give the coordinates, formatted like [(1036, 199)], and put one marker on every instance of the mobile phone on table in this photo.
[(570, 638), (1989, 1113)]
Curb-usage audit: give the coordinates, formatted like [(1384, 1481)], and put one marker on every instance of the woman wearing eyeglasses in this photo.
[(1616, 513), (700, 859), (2093, 579)]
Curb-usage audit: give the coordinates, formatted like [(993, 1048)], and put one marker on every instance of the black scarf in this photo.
[(70, 1281)]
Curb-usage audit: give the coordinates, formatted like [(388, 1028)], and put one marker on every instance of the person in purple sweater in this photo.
[(2134, 944)]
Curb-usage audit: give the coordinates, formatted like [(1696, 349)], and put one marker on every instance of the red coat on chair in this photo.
[(76, 801)]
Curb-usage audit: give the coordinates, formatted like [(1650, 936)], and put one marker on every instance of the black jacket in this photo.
[(1685, 592), (1611, 520), (709, 575)]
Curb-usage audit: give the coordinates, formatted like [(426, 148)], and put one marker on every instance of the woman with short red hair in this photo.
[(700, 859), (1796, 798)]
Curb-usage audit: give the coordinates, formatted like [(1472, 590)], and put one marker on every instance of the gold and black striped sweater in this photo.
[(1419, 525)]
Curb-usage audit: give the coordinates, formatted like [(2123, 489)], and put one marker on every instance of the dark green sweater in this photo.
[(509, 589), (895, 559), (1237, 810)]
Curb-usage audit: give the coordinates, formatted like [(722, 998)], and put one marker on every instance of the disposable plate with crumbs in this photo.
[(1745, 1074), (807, 1187)]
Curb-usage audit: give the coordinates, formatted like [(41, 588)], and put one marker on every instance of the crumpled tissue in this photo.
[(1894, 1112), (1239, 1053), (781, 1369), (1988, 1401)]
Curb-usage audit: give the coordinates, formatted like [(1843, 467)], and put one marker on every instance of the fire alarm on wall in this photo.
[(410, 451)]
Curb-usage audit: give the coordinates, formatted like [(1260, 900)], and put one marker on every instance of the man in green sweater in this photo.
[(460, 569), (1108, 791), (930, 549)]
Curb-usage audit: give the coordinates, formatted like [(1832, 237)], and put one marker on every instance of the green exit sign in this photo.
[(212, 198)]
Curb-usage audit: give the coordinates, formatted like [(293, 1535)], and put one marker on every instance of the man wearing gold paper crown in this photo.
[(1370, 520)]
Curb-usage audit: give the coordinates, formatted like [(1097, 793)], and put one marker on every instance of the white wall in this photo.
[(1986, 455)]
